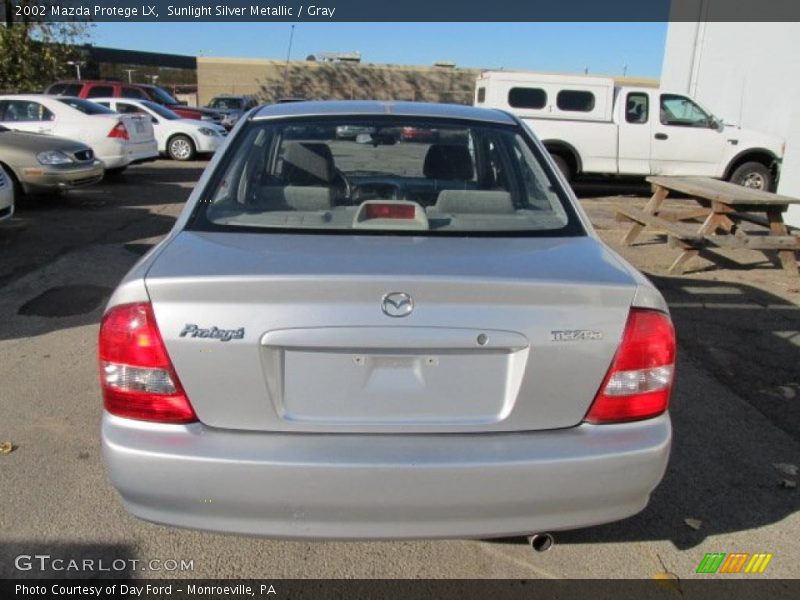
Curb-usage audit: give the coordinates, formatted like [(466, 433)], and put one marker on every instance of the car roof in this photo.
[(31, 97), (118, 99), (98, 81), (320, 108)]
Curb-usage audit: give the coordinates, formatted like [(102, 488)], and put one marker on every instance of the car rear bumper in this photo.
[(46, 178), (129, 153), (342, 486)]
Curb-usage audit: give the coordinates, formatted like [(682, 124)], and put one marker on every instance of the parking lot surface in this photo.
[(736, 414)]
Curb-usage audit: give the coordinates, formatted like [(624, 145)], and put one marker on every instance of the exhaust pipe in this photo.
[(541, 542)]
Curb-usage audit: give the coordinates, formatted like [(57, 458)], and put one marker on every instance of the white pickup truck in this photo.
[(592, 126)]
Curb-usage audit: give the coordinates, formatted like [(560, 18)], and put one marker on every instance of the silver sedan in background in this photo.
[(6, 196), (384, 338)]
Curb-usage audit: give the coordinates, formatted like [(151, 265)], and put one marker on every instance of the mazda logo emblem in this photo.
[(397, 304)]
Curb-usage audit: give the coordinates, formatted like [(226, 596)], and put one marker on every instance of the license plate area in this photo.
[(440, 383)]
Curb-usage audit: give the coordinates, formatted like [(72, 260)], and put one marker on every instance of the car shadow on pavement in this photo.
[(599, 187), (735, 413), (61, 257), (66, 560), (166, 172)]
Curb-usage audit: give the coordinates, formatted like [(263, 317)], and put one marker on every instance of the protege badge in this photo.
[(215, 333), (575, 335)]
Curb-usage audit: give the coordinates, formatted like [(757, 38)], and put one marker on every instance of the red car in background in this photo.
[(86, 88)]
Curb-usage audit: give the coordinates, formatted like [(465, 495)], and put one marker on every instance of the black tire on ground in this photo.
[(563, 166), (115, 172), (17, 192), (181, 147), (753, 175)]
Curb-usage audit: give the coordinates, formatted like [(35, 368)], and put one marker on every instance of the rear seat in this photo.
[(497, 202), (308, 170), (294, 197)]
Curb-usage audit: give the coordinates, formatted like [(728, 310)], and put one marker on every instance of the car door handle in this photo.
[(661, 136)]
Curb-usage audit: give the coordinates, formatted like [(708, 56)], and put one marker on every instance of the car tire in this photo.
[(752, 175), (563, 166), (17, 193), (181, 147)]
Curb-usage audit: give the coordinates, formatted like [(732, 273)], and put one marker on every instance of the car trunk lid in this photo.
[(284, 332), (140, 127)]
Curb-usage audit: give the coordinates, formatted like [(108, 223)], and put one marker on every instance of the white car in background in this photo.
[(6, 196), (117, 140), (178, 138)]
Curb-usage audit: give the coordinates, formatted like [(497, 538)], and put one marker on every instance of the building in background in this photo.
[(747, 74), (271, 80)]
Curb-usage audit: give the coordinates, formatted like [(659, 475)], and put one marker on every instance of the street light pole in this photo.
[(77, 66)]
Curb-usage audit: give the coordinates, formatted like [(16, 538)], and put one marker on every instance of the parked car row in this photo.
[(91, 89), (58, 142)]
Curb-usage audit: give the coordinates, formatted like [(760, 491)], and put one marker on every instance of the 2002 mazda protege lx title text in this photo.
[(408, 332)]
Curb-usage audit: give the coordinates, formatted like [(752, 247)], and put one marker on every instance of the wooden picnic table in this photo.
[(722, 207)]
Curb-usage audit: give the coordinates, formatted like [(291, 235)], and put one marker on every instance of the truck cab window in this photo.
[(636, 107), (682, 112)]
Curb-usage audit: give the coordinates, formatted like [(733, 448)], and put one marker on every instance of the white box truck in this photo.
[(592, 126)]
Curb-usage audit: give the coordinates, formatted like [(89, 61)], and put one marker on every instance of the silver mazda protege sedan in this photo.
[(384, 336)]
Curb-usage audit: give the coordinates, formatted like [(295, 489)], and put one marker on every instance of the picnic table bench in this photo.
[(722, 207)]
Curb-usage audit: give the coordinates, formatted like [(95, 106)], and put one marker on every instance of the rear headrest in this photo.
[(306, 163), (448, 161), (474, 202), (302, 198)]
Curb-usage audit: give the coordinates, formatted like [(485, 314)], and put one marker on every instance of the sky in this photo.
[(603, 48)]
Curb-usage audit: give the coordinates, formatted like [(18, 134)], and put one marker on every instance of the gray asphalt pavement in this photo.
[(735, 415)]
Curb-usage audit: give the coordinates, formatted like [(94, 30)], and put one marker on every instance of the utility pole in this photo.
[(288, 56)]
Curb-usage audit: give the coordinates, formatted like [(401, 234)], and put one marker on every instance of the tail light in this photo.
[(639, 382), (119, 131), (136, 374)]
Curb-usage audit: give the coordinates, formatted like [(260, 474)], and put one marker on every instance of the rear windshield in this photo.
[(86, 106), (385, 175)]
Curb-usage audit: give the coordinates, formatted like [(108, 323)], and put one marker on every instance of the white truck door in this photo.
[(685, 140), (633, 116)]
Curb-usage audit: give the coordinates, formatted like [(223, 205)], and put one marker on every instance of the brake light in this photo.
[(639, 382), (136, 375), (119, 131), (390, 211)]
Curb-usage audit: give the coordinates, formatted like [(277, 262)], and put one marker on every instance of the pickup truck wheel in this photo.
[(563, 166), (181, 147), (752, 175)]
